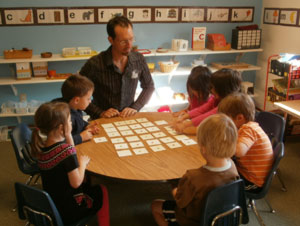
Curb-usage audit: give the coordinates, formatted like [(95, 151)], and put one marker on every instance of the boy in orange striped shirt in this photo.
[(254, 153)]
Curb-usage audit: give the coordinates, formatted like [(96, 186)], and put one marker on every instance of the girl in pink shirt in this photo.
[(198, 88), (223, 83)]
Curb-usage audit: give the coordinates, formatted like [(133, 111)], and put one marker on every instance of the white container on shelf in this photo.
[(69, 51), (84, 50)]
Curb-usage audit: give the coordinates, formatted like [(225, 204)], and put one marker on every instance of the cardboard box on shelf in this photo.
[(198, 38)]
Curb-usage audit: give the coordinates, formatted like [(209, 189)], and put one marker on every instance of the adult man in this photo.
[(116, 72)]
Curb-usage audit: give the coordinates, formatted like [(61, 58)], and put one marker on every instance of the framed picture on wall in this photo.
[(166, 14), (81, 15), (106, 13), (242, 14), (271, 16), (18, 16), (0, 17), (288, 17), (195, 14), (137, 14), (50, 16), (217, 15)]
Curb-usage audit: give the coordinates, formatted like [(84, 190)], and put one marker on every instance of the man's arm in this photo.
[(147, 85)]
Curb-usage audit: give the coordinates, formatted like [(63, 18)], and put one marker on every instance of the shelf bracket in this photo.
[(19, 119), (14, 89), (239, 57)]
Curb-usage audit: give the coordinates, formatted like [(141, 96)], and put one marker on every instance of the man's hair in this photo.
[(76, 86), (218, 134), (117, 20), (238, 103), (226, 81), (199, 81)]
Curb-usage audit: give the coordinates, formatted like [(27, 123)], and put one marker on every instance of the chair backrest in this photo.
[(36, 206), (226, 205), (273, 125), (20, 138), (278, 152)]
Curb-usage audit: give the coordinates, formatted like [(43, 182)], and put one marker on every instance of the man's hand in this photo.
[(128, 112), (111, 112)]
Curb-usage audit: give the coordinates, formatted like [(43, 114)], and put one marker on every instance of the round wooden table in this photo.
[(154, 166)]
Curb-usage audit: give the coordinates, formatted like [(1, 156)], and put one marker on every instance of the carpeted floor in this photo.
[(130, 201)]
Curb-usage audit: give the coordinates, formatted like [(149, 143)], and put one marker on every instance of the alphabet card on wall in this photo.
[(139, 14), (81, 16), (242, 14), (271, 16), (192, 14), (50, 16), (0, 17), (166, 14), (105, 14), (217, 14), (288, 17), (18, 17)]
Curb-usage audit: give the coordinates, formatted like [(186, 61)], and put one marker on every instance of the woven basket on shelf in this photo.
[(167, 67)]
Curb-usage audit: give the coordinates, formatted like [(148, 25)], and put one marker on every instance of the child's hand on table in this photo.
[(83, 160), (86, 134)]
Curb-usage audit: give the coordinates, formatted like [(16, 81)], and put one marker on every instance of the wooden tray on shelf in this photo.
[(231, 65), (93, 53), (17, 54), (59, 76)]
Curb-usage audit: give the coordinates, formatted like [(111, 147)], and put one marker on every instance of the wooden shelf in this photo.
[(16, 115)]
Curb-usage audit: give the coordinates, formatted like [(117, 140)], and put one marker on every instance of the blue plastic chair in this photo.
[(38, 208), (278, 155), (20, 138), (226, 206), (274, 126)]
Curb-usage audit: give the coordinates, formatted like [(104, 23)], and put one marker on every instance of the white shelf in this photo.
[(200, 52), (33, 80), (180, 71), (38, 58), (59, 57)]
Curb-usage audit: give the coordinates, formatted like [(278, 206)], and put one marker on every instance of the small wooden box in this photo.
[(40, 69), (17, 54), (23, 71), (217, 42)]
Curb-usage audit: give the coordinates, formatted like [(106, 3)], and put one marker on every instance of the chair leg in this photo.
[(269, 205), (283, 187), (36, 179), (28, 181), (253, 206)]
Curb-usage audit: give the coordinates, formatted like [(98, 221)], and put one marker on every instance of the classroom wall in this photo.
[(276, 39), (54, 38)]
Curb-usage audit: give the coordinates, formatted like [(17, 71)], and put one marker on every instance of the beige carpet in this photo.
[(130, 202)]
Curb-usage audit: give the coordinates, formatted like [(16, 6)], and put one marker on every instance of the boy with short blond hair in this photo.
[(216, 137), (77, 91), (254, 153)]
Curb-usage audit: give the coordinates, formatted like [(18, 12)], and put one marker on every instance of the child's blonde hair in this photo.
[(218, 134), (48, 117), (238, 103)]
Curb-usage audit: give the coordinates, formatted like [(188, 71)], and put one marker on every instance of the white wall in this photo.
[(275, 39)]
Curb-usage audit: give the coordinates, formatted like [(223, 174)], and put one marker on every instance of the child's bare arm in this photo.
[(76, 176), (86, 134), (174, 191)]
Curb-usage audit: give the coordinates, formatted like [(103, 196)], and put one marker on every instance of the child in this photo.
[(254, 153), (223, 83), (198, 88), (216, 137), (77, 91), (61, 171)]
